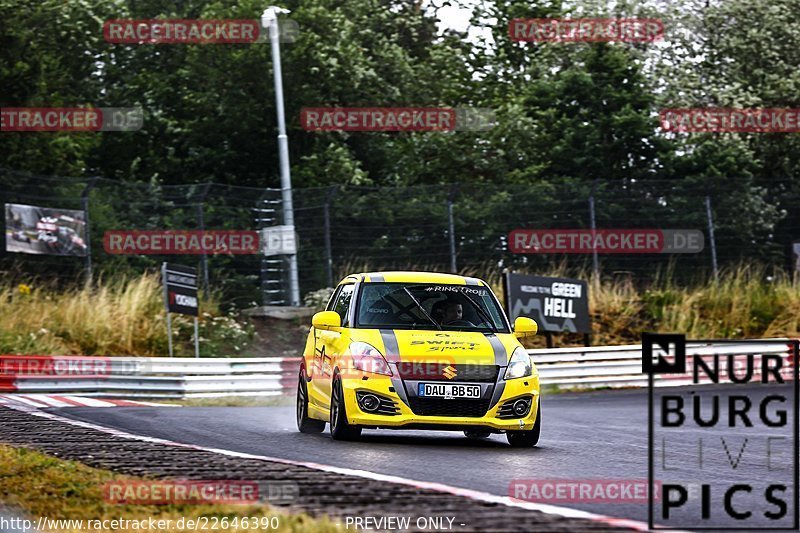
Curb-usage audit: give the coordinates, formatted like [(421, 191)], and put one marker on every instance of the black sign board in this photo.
[(557, 304), (180, 288)]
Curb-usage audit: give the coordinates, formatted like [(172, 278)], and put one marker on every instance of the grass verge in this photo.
[(38, 485)]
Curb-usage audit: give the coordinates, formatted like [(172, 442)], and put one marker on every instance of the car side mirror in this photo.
[(525, 327), (329, 320)]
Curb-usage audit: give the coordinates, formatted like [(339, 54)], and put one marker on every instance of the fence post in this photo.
[(85, 206), (451, 224), (711, 239), (328, 250), (166, 306), (593, 226), (200, 198)]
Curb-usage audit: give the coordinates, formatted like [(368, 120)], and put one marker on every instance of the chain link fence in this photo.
[(462, 228)]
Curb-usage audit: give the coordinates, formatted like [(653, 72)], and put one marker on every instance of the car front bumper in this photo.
[(403, 395)]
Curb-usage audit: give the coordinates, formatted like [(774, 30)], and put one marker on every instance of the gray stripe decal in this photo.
[(392, 354), (501, 360), (500, 354), (471, 281), (376, 278), (397, 383), (498, 388)]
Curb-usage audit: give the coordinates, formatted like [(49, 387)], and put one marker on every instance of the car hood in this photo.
[(450, 347)]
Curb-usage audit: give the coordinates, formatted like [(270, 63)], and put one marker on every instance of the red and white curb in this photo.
[(439, 487), (42, 401)]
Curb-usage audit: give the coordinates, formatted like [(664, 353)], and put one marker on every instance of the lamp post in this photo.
[(269, 19)]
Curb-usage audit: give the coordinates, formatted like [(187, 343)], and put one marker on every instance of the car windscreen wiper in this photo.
[(481, 311), (424, 312)]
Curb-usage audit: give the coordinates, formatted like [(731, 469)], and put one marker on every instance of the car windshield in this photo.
[(429, 306)]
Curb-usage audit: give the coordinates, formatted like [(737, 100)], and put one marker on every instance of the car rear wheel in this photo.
[(528, 438), (304, 423), (340, 428)]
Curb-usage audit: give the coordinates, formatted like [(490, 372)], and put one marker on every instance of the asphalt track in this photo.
[(587, 436)]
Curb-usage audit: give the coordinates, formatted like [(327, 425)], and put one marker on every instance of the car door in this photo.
[(330, 344)]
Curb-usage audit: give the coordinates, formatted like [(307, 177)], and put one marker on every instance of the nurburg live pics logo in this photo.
[(723, 447)]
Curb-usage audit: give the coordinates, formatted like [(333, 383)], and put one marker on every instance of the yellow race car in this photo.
[(418, 350)]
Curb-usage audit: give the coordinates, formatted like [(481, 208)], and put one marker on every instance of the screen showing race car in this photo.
[(32, 229)]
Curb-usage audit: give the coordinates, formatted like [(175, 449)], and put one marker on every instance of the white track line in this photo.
[(565, 512), (13, 399), (60, 401), (86, 402), (47, 400), (148, 404)]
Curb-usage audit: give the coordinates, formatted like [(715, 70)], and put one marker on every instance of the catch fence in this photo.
[(463, 228)]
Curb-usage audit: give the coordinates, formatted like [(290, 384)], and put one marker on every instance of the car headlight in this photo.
[(520, 364), (367, 358)]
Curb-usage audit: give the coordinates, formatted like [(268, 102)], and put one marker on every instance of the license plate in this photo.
[(449, 390)]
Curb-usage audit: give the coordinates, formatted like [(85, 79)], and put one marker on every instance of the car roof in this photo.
[(412, 277)]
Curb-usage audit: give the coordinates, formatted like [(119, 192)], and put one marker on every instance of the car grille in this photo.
[(438, 372), (441, 407)]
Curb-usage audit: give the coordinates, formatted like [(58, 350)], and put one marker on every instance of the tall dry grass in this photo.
[(747, 301), (121, 315), (116, 316), (125, 316)]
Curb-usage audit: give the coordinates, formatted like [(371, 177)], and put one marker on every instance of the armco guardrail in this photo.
[(159, 377), (621, 366), (148, 377)]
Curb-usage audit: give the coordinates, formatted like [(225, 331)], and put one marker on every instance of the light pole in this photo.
[(269, 19)]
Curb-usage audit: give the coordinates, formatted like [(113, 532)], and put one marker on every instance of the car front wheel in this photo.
[(340, 428), (305, 423), (527, 438)]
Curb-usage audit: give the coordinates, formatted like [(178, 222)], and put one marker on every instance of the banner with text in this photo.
[(557, 304)]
